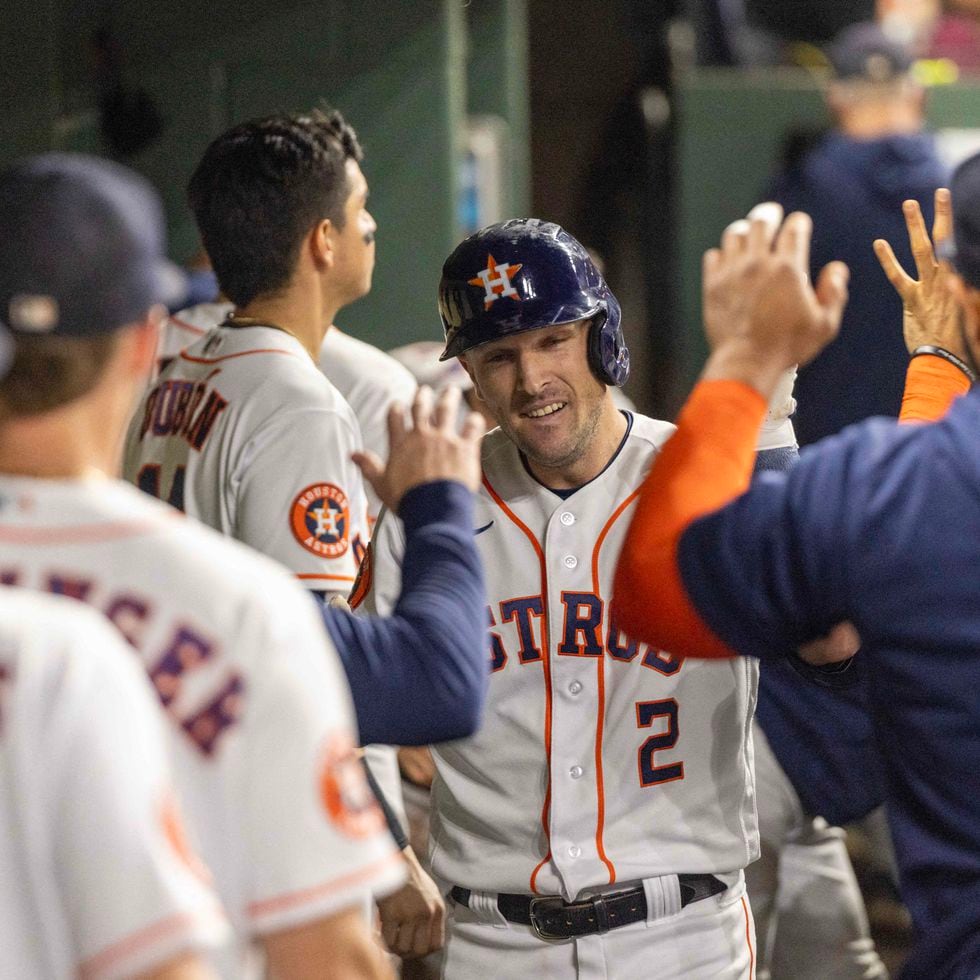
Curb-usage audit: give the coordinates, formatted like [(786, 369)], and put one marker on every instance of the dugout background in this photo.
[(601, 123)]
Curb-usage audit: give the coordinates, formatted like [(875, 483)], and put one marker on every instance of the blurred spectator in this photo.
[(852, 181), (956, 36), (762, 32)]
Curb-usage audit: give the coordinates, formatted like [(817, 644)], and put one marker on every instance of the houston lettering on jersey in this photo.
[(209, 715), (587, 631), (183, 408)]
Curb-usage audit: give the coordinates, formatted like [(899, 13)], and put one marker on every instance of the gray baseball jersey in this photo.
[(95, 880), (261, 729), (243, 432), (600, 760)]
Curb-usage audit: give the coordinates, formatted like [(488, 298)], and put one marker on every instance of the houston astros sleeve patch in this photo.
[(320, 520)]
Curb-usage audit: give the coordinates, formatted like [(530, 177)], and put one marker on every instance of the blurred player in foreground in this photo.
[(260, 723), (572, 834), (879, 527), (94, 875), (95, 878)]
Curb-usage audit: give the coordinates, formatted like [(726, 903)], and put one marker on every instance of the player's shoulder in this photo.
[(196, 562), (266, 373), (48, 635), (355, 366), (25, 613), (193, 322), (498, 447), (499, 455), (648, 432)]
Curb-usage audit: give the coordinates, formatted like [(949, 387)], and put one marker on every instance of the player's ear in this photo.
[(143, 336), (321, 243)]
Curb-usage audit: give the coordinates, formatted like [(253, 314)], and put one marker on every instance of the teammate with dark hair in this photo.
[(242, 431)]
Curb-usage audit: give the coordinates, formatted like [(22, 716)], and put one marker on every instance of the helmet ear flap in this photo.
[(596, 361), (608, 355)]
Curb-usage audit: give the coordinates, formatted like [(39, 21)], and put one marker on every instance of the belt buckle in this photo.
[(542, 906)]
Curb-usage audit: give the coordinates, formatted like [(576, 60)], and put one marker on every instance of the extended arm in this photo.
[(419, 676), (761, 317)]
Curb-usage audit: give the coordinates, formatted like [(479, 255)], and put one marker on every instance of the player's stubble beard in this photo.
[(573, 447)]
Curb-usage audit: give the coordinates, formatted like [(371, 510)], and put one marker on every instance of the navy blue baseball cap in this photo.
[(864, 52), (963, 249), (82, 247)]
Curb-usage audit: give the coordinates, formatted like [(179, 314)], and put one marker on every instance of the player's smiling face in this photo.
[(542, 393)]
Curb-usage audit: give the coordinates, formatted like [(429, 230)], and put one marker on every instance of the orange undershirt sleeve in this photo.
[(932, 384), (704, 465)]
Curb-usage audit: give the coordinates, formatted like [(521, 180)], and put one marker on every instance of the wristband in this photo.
[(946, 356)]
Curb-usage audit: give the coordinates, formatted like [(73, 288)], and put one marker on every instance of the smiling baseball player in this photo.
[(260, 721), (95, 878), (598, 823)]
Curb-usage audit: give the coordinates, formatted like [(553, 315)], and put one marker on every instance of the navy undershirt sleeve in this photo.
[(834, 675), (420, 675)]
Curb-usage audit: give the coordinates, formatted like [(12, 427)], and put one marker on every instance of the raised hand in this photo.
[(430, 450), (761, 313), (930, 312)]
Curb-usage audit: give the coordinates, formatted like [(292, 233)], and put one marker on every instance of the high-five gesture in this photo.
[(429, 450), (930, 312), (761, 313)]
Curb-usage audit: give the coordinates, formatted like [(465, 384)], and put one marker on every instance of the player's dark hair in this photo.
[(48, 372), (260, 188)]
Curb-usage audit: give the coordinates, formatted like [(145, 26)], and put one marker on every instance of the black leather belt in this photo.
[(552, 918)]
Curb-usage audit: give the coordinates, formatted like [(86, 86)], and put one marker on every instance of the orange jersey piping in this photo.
[(77, 535), (546, 666), (601, 716), (102, 962), (243, 353), (748, 938), (291, 900), (184, 325)]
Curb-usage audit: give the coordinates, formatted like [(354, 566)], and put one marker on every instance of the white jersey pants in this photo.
[(713, 939), (809, 913)]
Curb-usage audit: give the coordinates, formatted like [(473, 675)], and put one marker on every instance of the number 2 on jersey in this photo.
[(148, 480), (646, 713)]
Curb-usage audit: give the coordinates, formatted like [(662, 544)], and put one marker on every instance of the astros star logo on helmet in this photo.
[(495, 279)]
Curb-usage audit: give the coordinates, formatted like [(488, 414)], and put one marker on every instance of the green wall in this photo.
[(397, 70), (730, 127)]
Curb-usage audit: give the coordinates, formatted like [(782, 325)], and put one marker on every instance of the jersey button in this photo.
[(575, 687), (567, 519), (575, 851), (576, 772), (570, 561)]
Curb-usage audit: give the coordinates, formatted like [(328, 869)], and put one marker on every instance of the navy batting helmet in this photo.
[(526, 274)]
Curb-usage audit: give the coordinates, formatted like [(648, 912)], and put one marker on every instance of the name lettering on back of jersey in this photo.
[(203, 706), (320, 520), (587, 631), (182, 408)]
